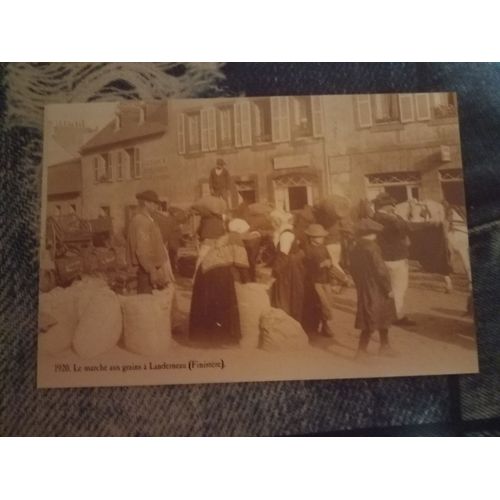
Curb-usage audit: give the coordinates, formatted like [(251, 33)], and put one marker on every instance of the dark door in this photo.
[(298, 197), (453, 193), (397, 192)]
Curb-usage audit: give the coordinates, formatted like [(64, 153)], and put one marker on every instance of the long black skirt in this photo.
[(214, 317)]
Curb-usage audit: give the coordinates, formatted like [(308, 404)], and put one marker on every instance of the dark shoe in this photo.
[(404, 322)]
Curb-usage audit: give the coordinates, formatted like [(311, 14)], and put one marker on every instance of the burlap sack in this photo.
[(147, 322), (100, 323), (59, 305), (253, 301), (281, 332)]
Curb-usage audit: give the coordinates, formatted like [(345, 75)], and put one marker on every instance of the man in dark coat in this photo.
[(219, 180), (375, 308)]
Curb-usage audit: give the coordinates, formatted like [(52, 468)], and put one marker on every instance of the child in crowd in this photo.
[(375, 307)]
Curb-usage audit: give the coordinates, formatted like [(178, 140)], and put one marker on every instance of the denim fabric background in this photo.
[(463, 405)]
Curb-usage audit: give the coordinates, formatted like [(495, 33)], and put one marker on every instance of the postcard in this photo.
[(253, 239)]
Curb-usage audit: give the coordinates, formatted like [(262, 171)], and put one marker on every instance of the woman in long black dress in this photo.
[(214, 317), (287, 292)]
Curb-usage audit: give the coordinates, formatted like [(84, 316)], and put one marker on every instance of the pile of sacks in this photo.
[(263, 326), (91, 319)]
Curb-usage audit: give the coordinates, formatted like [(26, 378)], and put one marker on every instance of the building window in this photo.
[(72, 208), (402, 186), (293, 191), (97, 170), (261, 115), (108, 167), (385, 108), (444, 105), (452, 186), (193, 132), (119, 165), (302, 116), (103, 168), (382, 109), (451, 175), (135, 162), (104, 211), (246, 191), (226, 126)]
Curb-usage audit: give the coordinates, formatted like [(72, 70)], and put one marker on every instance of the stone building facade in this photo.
[(287, 150), (404, 144)]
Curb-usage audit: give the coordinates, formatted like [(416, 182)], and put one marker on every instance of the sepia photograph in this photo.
[(239, 239)]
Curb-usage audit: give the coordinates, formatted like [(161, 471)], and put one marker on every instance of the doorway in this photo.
[(453, 193), (297, 196)]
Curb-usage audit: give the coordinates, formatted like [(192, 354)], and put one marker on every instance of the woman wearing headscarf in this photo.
[(214, 316), (287, 292)]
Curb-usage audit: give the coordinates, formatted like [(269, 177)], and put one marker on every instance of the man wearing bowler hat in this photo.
[(219, 180), (145, 245), (394, 244)]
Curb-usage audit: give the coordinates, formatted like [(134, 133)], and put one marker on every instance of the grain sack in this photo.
[(280, 332), (59, 305), (147, 322), (47, 280), (100, 326), (83, 290), (165, 299), (45, 321), (253, 300)]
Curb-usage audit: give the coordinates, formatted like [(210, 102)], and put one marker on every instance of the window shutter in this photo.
[(204, 129), (99, 167), (285, 119), (102, 167), (242, 124), (280, 119), (113, 165), (406, 113), (246, 124), (275, 119), (181, 136), (364, 109), (423, 107), (137, 167), (212, 130), (317, 116), (237, 125), (127, 169)]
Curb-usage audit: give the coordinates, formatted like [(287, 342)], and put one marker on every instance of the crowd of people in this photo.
[(309, 253)]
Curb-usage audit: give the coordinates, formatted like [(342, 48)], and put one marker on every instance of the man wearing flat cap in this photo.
[(219, 180), (394, 244), (145, 245)]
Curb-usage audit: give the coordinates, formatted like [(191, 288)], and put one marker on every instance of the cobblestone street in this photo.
[(442, 339)]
